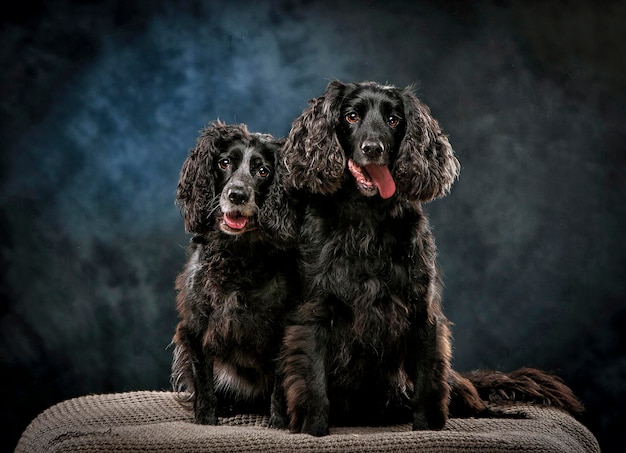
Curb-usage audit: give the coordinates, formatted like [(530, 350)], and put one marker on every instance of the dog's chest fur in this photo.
[(237, 301), (359, 259)]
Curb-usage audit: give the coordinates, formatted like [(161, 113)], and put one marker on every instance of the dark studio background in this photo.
[(101, 101)]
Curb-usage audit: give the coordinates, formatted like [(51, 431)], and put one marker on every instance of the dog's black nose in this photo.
[(237, 196), (372, 148)]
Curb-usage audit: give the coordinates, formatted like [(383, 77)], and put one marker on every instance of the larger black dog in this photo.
[(369, 335), (235, 288), (369, 343)]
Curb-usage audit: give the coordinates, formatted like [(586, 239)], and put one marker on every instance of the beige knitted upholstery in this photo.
[(154, 422)]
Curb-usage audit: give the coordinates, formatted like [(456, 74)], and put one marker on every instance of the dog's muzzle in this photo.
[(372, 179)]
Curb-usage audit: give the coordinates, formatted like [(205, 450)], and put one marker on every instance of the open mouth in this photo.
[(372, 179), (236, 223)]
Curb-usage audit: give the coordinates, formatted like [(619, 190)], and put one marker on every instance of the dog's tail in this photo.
[(473, 392)]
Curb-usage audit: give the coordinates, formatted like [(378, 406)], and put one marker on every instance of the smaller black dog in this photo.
[(235, 287)]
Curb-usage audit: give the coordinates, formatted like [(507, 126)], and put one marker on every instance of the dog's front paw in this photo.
[(206, 419), (434, 419), (315, 426), (278, 421), (205, 416), (205, 409)]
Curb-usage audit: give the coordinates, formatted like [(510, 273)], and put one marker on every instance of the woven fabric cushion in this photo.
[(155, 422)]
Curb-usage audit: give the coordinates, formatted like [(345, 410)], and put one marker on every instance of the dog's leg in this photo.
[(278, 404), (305, 379), (431, 390), (205, 401)]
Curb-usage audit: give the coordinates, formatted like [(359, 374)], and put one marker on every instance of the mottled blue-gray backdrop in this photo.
[(101, 101)]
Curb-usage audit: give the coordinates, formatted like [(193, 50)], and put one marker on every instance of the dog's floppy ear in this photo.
[(312, 156), (278, 215), (426, 166), (196, 183)]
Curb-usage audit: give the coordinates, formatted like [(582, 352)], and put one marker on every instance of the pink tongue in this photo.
[(235, 222), (382, 178)]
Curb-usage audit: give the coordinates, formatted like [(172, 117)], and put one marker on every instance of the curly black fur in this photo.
[(369, 339), (369, 343), (235, 288)]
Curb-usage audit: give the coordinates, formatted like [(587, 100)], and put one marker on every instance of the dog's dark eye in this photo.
[(352, 117), (264, 172), (224, 164), (393, 121)]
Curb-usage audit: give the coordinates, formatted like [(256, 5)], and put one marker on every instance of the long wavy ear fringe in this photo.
[(196, 183), (426, 164), (312, 156), (279, 214)]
